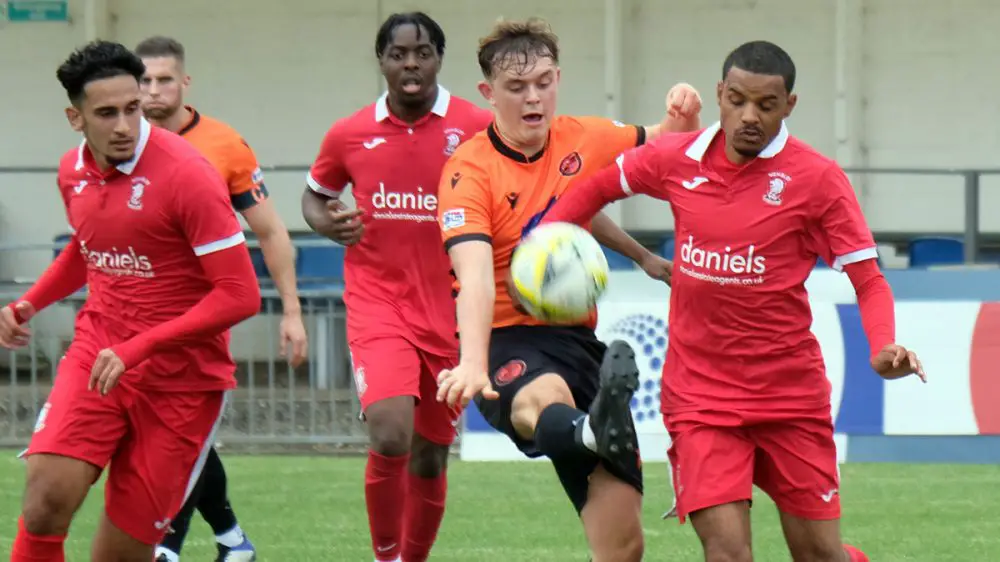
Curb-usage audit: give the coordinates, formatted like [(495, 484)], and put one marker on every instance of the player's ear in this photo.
[(486, 90), (75, 118), (790, 105), (718, 92)]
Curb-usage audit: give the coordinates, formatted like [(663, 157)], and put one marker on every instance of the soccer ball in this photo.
[(558, 272)]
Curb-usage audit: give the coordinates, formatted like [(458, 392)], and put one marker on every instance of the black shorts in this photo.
[(520, 354), (573, 352)]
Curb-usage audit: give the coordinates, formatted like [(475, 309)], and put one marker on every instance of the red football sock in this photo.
[(855, 554), (385, 491), (424, 512), (29, 547)]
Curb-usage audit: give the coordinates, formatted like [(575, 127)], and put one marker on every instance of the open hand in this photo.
[(462, 384), (895, 361)]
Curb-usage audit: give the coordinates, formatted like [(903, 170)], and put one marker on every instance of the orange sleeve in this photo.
[(245, 179), (606, 138), (464, 201)]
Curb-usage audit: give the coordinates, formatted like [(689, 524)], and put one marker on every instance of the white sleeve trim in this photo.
[(624, 182), (71, 229), (318, 188), (855, 257), (224, 244)]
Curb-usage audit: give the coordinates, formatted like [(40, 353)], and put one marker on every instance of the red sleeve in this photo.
[(875, 302), (638, 170), (579, 204), (204, 209), (235, 296), (328, 175), (844, 236), (64, 276)]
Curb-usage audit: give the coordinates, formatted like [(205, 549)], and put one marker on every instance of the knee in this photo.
[(727, 550), (533, 398), (49, 504), (391, 440), (627, 549), (390, 434)]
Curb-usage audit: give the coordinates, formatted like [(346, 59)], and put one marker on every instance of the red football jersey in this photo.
[(747, 238), (397, 280), (142, 226)]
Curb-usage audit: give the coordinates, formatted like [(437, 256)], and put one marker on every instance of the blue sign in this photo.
[(37, 10)]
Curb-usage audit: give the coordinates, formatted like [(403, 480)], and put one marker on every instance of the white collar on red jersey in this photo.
[(440, 104), (697, 149), (128, 166)]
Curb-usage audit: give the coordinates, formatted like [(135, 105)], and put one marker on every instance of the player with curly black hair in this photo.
[(143, 385), (400, 314)]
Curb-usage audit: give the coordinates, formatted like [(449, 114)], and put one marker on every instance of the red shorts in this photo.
[(793, 462), (388, 367), (156, 443)]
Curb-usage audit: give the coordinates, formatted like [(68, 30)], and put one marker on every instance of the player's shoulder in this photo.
[(166, 146), (576, 124), (806, 157), (361, 122), (69, 160), (222, 132), (168, 154), (70, 171)]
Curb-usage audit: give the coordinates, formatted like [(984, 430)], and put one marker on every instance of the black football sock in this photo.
[(559, 432), (214, 502)]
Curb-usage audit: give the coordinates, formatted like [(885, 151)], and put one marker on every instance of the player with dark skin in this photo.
[(752, 108), (410, 64)]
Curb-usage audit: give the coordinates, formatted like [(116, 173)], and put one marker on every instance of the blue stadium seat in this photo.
[(667, 248), (616, 260), (935, 250), (320, 266), (259, 265)]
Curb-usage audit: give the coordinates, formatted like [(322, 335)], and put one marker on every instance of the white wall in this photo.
[(918, 87)]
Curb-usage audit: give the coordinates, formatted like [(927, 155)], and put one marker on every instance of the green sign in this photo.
[(37, 10)]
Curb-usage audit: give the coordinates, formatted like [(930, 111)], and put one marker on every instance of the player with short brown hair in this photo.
[(163, 86), (539, 381)]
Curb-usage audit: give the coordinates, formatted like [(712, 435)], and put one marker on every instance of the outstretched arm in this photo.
[(586, 199), (64, 276), (846, 242)]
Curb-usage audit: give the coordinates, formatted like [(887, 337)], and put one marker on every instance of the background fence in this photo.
[(274, 405)]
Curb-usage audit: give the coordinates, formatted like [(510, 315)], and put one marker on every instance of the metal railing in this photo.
[(972, 189), (274, 405)]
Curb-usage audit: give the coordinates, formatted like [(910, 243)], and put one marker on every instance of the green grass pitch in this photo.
[(311, 508)]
